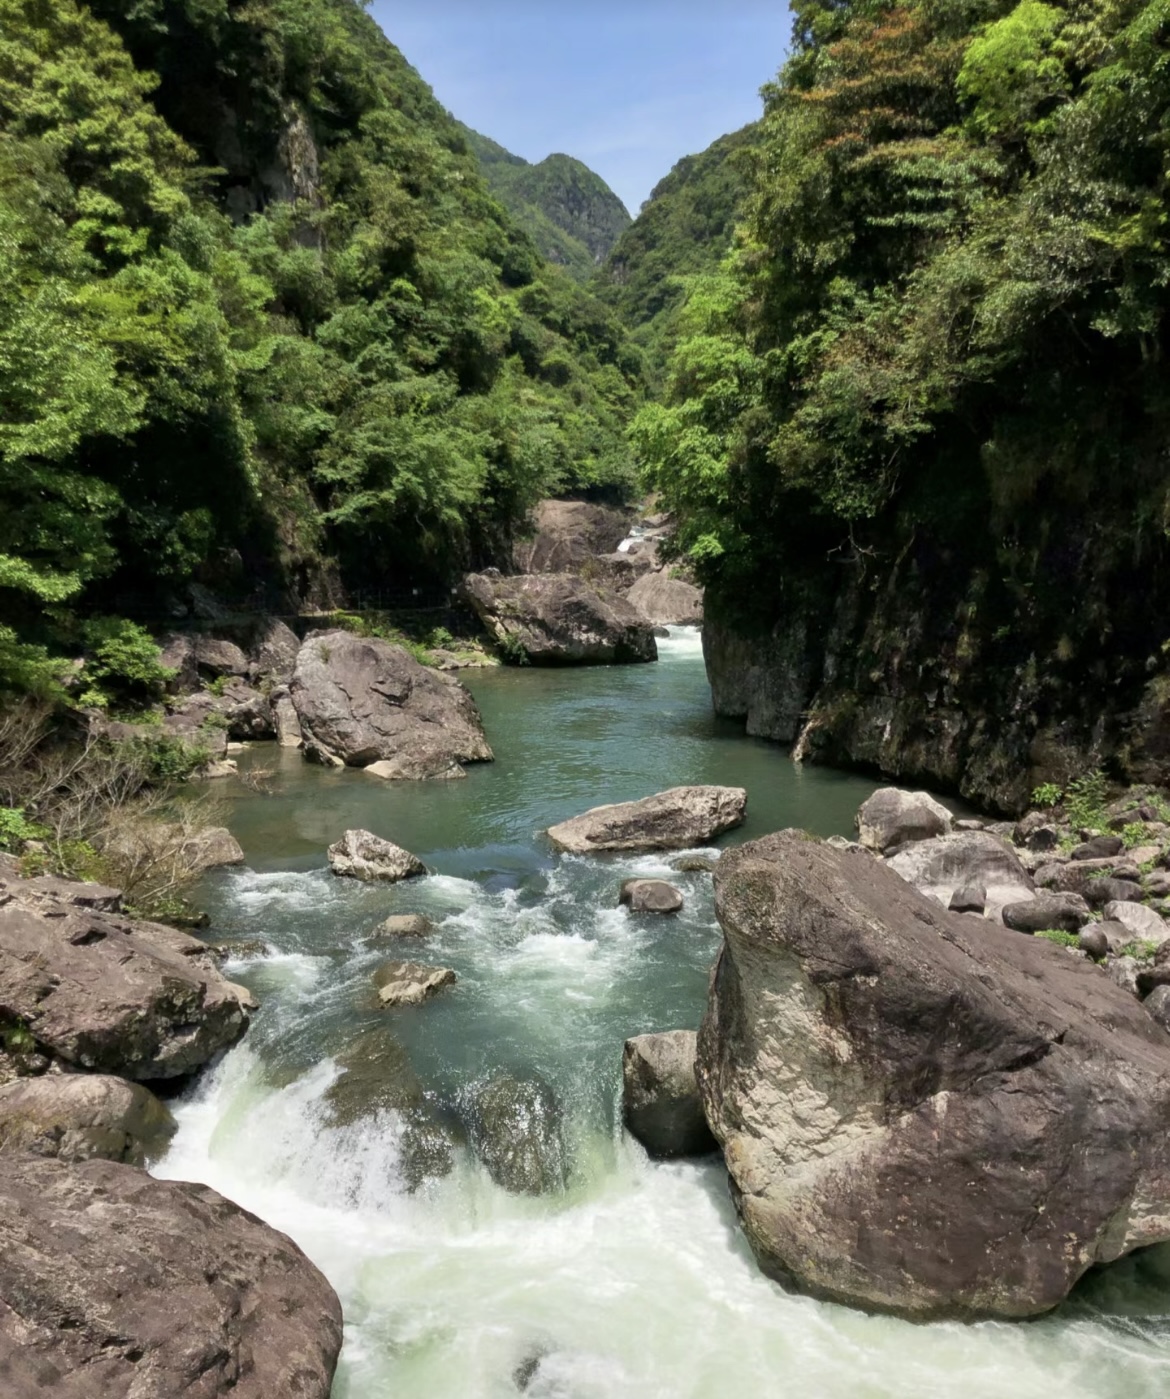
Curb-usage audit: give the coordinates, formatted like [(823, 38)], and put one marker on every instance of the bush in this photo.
[(1085, 801), (15, 829), (1047, 795), (123, 665)]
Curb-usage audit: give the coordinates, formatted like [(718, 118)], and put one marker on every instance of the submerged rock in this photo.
[(560, 619), (363, 855), (79, 1117), (670, 820), (892, 817), (361, 701), (116, 1285), (650, 896), (921, 1113), (410, 983), (661, 1106), (515, 1128)]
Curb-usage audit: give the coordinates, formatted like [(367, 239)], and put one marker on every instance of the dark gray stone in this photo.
[(650, 896), (660, 1098)]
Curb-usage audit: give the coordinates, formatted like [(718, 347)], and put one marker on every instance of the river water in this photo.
[(634, 1283)]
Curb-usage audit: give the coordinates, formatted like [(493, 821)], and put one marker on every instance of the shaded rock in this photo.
[(660, 1098), (177, 654), (107, 993), (363, 855), (1143, 923), (363, 701), (1093, 941), (560, 619), (377, 1076), (650, 896), (238, 711), (939, 866), (405, 925), (215, 657), (77, 1117), (617, 571), (515, 1128), (921, 1113), (695, 864), (567, 533), (971, 898), (1099, 848), (1068, 912), (667, 602), (1075, 876), (1099, 892), (1123, 972), (1116, 935), (410, 983), (670, 820), (892, 817), (1157, 1004), (119, 1285)]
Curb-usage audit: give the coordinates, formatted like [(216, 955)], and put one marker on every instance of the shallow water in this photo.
[(635, 1281)]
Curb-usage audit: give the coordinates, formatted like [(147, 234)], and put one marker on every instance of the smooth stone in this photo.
[(661, 1107), (1100, 892), (1093, 941), (1068, 912), (81, 1117), (650, 896), (1143, 923), (405, 925), (1099, 848), (891, 817), (971, 898)]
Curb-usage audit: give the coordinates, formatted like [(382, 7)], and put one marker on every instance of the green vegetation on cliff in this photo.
[(568, 211), (932, 379), (260, 314), (684, 230)]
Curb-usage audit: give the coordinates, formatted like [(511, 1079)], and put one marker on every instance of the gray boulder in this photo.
[(410, 983), (273, 653), (216, 657), (660, 1097), (670, 820), (363, 855), (892, 817), (650, 896), (1099, 848), (515, 1128), (566, 534), (119, 1285), (970, 898), (1143, 924), (362, 701), (1099, 892), (405, 925), (1093, 941), (667, 602), (285, 721), (944, 864), (919, 1113), (1068, 912), (114, 995), (79, 1117), (1157, 1004), (560, 619)]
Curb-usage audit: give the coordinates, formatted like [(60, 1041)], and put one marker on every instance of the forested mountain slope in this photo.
[(568, 211), (684, 229), (918, 431), (261, 319)]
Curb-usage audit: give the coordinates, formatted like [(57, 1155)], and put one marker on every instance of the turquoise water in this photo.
[(634, 1281)]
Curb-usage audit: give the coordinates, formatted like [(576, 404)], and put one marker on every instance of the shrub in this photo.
[(1085, 801), (15, 829), (123, 665), (1047, 795)]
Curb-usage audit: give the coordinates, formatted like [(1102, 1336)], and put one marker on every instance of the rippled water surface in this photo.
[(634, 1282)]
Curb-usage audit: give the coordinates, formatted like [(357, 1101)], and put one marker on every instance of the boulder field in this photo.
[(923, 1112)]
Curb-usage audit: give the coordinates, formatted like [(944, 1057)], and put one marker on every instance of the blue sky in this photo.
[(627, 88)]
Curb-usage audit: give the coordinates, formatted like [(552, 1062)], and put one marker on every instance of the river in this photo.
[(635, 1283)]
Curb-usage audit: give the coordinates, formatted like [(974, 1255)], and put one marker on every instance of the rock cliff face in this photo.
[(923, 1112), (926, 668)]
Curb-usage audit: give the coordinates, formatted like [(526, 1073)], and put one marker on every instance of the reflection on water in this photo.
[(635, 1281)]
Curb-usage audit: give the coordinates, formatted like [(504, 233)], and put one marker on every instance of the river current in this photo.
[(635, 1282)]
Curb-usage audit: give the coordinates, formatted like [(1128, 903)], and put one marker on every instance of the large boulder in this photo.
[(273, 652), (649, 896), (362, 701), (80, 1117), (1067, 912), (108, 993), (667, 602), (670, 820), (116, 1285), (1143, 923), (660, 1098), (560, 619), (922, 1113), (515, 1128), (410, 983), (567, 533), (363, 855), (892, 817), (941, 866)]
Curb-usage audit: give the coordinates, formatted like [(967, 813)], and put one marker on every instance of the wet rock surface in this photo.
[(650, 896), (410, 983), (516, 1130), (361, 702), (116, 1284), (661, 1106), (921, 1112), (670, 820), (363, 855), (81, 1117)]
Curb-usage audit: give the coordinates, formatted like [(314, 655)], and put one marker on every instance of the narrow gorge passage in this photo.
[(635, 1281)]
